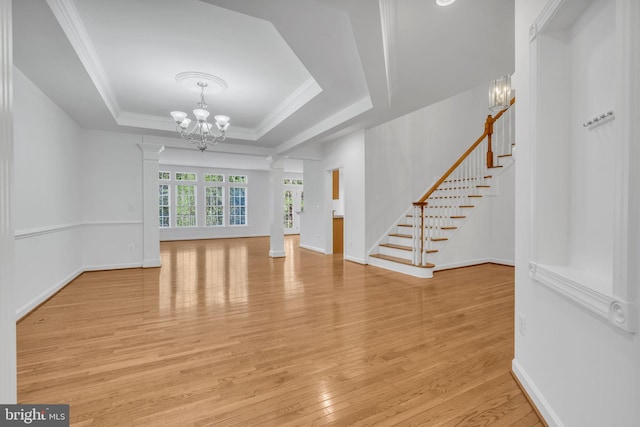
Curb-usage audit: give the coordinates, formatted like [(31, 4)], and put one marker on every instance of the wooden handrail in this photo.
[(488, 131)]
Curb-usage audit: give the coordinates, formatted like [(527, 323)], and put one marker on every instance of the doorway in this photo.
[(293, 205), (337, 196)]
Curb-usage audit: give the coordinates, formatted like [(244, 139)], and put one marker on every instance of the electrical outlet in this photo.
[(132, 247), (521, 324)]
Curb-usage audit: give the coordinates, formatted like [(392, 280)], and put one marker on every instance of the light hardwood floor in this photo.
[(224, 335)]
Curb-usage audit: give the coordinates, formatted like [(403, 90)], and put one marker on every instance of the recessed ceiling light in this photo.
[(444, 2)]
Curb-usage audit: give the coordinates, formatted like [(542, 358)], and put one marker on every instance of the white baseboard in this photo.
[(356, 260), (508, 262), (313, 248), (150, 263), (277, 254), (469, 263), (112, 266), (28, 307), (541, 403)]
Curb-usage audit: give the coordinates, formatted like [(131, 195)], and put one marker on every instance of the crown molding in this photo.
[(71, 23), (388, 29), (303, 94), (147, 121), (362, 105)]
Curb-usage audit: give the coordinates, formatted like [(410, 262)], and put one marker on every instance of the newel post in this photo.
[(418, 245), (488, 128)]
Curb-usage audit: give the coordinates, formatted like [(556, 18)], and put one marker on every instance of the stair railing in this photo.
[(461, 179)]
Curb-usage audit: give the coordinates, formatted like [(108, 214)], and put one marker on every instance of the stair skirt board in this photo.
[(411, 270)]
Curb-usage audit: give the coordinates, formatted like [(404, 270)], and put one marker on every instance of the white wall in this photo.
[(593, 92), (111, 190), (502, 216), (258, 200), (346, 153), (47, 201), (487, 234), (579, 370)]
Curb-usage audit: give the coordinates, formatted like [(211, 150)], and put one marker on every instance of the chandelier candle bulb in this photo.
[(185, 123), (178, 116)]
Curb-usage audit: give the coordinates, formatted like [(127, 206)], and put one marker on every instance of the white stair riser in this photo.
[(395, 240), (398, 253)]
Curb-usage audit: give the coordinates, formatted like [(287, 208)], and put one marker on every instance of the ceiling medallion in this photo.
[(192, 79)]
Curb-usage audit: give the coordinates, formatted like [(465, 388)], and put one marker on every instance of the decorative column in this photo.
[(276, 193), (8, 380), (150, 221)]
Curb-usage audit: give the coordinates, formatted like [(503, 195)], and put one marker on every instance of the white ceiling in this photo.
[(298, 71)]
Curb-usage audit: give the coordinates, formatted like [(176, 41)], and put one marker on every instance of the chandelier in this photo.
[(201, 132), (500, 93)]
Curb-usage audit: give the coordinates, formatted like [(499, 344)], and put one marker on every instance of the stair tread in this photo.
[(494, 167), (469, 179), (439, 216), (505, 155), (400, 260), (394, 246), (406, 236), (448, 206), (405, 248), (483, 186), (475, 195), (437, 239)]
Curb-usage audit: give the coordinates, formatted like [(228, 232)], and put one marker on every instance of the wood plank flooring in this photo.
[(224, 335)]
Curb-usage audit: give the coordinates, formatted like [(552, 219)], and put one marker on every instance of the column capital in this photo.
[(151, 151)]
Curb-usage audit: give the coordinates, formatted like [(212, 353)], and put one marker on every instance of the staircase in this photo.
[(413, 243)]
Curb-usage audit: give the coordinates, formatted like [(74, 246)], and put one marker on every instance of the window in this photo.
[(288, 209), (237, 205), (185, 205), (214, 206), (210, 177), (185, 176), (199, 197), (163, 204)]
